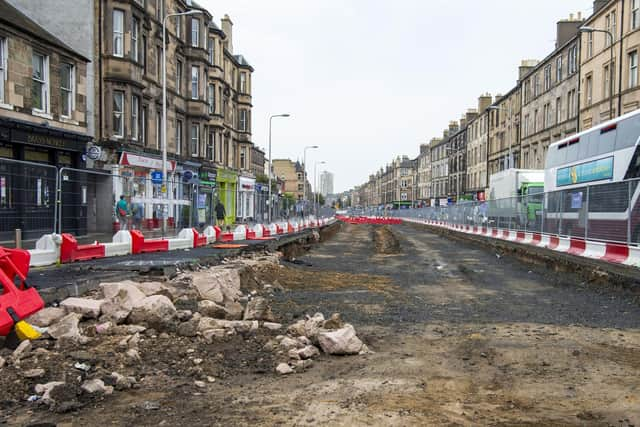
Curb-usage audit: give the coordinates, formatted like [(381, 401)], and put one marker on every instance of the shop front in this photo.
[(207, 196), (227, 181), (30, 156), (246, 202), (139, 177)]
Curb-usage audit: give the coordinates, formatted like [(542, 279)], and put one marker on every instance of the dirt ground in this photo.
[(460, 336)]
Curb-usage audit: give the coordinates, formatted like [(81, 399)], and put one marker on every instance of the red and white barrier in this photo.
[(610, 252), (47, 251), (121, 244)]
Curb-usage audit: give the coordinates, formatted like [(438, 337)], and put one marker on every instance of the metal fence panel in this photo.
[(27, 201)]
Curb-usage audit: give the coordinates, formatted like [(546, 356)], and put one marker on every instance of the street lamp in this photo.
[(164, 110), (316, 199), (270, 165), (595, 30), (304, 173)]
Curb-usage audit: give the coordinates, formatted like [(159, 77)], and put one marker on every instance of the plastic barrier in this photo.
[(20, 301), (120, 244), (266, 232), (616, 253), (139, 245), (71, 251), (577, 247), (183, 241), (47, 251), (257, 231), (211, 233)]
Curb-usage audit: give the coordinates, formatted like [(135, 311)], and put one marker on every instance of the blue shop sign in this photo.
[(585, 172), (156, 177)]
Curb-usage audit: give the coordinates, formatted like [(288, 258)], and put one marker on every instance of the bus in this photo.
[(591, 183)]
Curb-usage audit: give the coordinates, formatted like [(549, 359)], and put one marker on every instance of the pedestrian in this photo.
[(220, 213), (122, 211), (138, 213)]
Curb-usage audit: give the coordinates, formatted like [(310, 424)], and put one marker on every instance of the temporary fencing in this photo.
[(601, 213)]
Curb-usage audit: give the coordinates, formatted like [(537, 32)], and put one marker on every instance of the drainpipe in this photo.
[(579, 82)]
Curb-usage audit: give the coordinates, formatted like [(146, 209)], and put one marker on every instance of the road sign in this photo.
[(156, 177)]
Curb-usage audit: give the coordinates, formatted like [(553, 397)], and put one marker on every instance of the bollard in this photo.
[(18, 238)]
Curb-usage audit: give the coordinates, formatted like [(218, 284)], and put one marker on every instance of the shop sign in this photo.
[(46, 141), (225, 175), (187, 175), (208, 175), (129, 159), (156, 177), (94, 152), (202, 201)]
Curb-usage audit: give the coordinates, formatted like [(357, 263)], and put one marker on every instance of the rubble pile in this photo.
[(125, 333), (306, 338)]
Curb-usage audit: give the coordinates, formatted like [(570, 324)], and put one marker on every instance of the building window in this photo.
[(635, 14), (243, 121), (211, 98), (3, 66), (40, 83), (67, 89), (144, 54), (609, 73), (143, 126), (559, 69), (547, 77), (571, 104), (178, 137), (159, 130), (179, 26), (159, 62), (558, 110), (536, 85), (179, 77), (195, 140), (135, 117), (118, 114), (118, 33), (195, 73), (633, 69), (135, 29), (614, 26), (589, 90), (195, 32), (573, 59), (589, 44), (211, 51), (243, 82), (211, 146)]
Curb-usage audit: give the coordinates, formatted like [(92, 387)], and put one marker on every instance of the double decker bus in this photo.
[(591, 183)]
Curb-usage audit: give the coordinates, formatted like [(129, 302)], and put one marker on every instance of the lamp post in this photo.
[(316, 199), (304, 173), (270, 207), (595, 30), (164, 111)]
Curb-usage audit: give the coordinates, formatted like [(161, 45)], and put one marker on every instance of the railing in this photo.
[(604, 212)]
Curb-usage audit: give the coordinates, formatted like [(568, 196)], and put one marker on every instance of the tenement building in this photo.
[(609, 71), (43, 126), (477, 135), (550, 95), (208, 124)]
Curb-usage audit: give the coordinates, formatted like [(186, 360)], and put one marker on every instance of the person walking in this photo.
[(220, 213), (137, 211), (122, 211)]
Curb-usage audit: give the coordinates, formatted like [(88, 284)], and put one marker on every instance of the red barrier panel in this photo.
[(199, 240), (577, 247), (139, 245), (520, 236), (505, 234), (71, 251), (616, 253), (537, 239), (485, 230), (250, 234), (554, 242), (266, 232), (494, 232), (17, 302), (226, 237)]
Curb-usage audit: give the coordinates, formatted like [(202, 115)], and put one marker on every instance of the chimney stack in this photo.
[(484, 101), (568, 29), (599, 4), (526, 65), (227, 29)]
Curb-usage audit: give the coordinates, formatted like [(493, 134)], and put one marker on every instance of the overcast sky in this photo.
[(367, 80)]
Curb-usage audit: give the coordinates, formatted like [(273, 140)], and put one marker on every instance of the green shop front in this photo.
[(207, 196), (227, 189)]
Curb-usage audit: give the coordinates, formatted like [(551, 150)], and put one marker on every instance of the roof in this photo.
[(11, 16)]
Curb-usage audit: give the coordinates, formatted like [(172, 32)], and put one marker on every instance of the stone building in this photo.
[(458, 159), (550, 96), (424, 172), (503, 141), (292, 173), (477, 135), (440, 166), (622, 19), (208, 127), (43, 121)]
